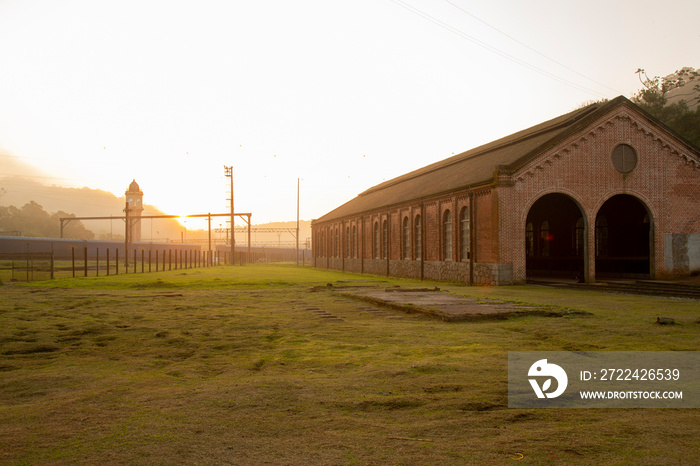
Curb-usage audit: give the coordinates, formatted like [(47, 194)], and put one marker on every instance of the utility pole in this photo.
[(229, 173), (297, 221), (127, 236)]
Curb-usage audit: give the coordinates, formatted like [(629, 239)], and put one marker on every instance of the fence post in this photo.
[(108, 262), (72, 255), (143, 268), (170, 259), (97, 262), (116, 262), (85, 265), (134, 260)]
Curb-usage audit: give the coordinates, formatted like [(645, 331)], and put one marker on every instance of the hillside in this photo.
[(83, 202), (86, 202)]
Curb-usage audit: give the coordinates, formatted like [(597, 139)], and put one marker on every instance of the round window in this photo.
[(624, 158)]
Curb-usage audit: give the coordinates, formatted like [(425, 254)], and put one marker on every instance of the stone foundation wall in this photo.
[(375, 266), (404, 268), (446, 271), (682, 253), (493, 274), (484, 273)]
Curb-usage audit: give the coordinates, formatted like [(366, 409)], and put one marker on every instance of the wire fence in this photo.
[(35, 266)]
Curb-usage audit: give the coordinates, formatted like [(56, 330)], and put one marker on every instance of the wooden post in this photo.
[(156, 260), (149, 260), (143, 268), (134, 260), (72, 254), (108, 262), (85, 260), (170, 259), (116, 262)]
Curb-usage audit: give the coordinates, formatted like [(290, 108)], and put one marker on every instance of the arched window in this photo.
[(354, 241), (464, 233), (601, 236), (406, 245), (544, 239), (529, 240), (346, 246), (418, 238), (447, 235), (578, 237), (385, 240), (376, 240)]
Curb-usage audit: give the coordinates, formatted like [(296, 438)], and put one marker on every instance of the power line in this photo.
[(528, 47), (493, 49)]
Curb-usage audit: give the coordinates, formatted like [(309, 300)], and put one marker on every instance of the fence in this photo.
[(32, 266), (28, 266)]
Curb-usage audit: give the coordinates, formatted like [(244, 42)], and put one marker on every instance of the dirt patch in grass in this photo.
[(30, 348)]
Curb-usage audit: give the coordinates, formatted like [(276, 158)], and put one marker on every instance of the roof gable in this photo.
[(476, 167)]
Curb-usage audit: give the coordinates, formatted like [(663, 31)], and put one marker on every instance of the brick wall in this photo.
[(666, 180)]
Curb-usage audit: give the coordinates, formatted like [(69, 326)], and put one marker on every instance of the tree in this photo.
[(33, 221), (73, 229), (653, 98)]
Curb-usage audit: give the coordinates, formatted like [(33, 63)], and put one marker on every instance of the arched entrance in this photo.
[(622, 238), (555, 232)]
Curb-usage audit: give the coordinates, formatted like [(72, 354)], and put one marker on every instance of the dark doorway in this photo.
[(622, 238), (555, 234)]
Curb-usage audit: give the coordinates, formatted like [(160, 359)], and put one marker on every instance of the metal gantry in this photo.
[(130, 221)]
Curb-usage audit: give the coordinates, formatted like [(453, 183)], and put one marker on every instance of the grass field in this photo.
[(238, 365)]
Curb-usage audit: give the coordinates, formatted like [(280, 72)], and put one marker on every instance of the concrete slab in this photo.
[(446, 306)]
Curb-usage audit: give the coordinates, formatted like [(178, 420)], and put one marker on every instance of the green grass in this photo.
[(257, 276), (237, 364)]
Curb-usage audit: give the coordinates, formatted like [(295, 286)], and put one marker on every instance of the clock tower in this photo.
[(134, 205)]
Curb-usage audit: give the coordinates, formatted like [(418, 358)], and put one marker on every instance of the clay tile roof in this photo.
[(474, 167)]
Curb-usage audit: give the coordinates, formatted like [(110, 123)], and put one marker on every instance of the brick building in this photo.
[(604, 191)]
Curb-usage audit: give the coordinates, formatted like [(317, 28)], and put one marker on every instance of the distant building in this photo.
[(134, 208), (603, 191)]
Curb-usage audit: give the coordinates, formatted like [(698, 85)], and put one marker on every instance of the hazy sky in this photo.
[(342, 94)]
